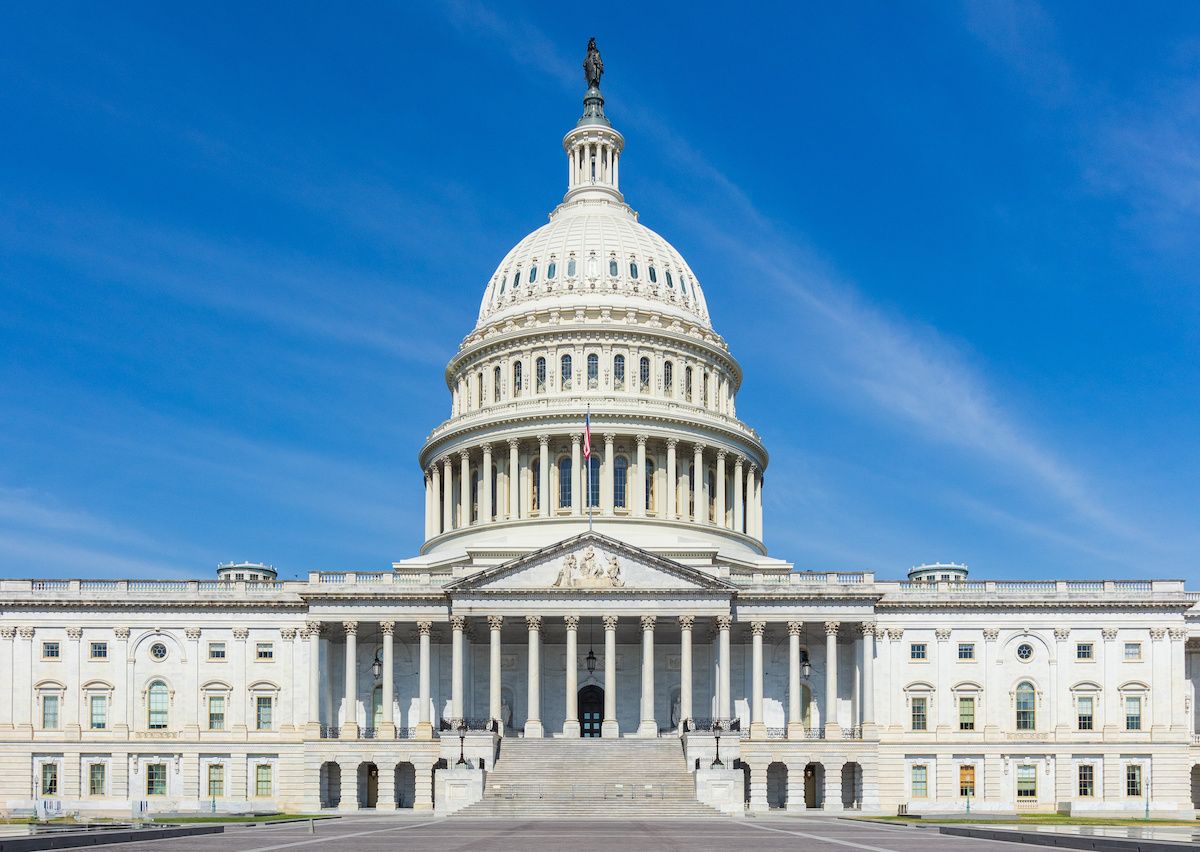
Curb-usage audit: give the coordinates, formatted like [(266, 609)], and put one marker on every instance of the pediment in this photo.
[(589, 563)]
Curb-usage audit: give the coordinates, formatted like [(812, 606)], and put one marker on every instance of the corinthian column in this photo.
[(485, 478), (447, 494), (576, 494), (495, 622), (648, 726), (607, 475), (637, 489), (719, 508), (533, 716), (724, 622), (609, 728), (686, 622), (751, 516), (672, 479), (514, 479), (758, 727), (739, 497), (699, 485), (424, 725), (457, 624), (464, 489), (313, 632), (868, 679), (388, 722), (571, 725), (350, 717), (833, 731), (795, 721)]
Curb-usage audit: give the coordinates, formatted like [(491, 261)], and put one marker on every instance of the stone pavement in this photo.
[(415, 834)]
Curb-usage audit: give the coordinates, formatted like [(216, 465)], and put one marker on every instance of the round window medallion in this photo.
[(1024, 651), (158, 651)]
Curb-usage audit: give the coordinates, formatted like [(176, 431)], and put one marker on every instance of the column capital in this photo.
[(1177, 633), (121, 632), (543, 440), (1158, 632), (387, 628), (641, 439), (25, 632), (738, 461), (458, 622), (7, 632), (312, 628), (687, 622), (241, 633), (648, 621), (1062, 634), (287, 634), (795, 628), (486, 446), (351, 627), (699, 447), (868, 628), (672, 443), (444, 459), (831, 628), (495, 622), (576, 438), (572, 622), (758, 628), (721, 455), (464, 455), (1109, 633), (424, 628), (724, 622), (610, 437), (74, 632), (942, 633), (897, 633), (610, 622), (192, 632), (533, 622), (753, 468), (514, 444), (991, 634)]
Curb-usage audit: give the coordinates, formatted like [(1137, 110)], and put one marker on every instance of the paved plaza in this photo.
[(385, 834)]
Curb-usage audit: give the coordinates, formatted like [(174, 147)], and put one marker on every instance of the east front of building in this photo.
[(594, 615)]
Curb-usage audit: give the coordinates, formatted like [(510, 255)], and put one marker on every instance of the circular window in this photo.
[(1024, 651), (158, 651)]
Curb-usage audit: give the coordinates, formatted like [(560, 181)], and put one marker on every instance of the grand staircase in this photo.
[(618, 778)]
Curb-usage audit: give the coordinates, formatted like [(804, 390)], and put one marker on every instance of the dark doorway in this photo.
[(591, 710)]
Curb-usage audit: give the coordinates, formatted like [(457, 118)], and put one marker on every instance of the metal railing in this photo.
[(329, 732)]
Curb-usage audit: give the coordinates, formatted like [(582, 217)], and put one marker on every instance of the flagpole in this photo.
[(588, 462)]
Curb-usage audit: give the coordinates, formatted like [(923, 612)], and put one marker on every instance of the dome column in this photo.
[(434, 522), (576, 457), (514, 479), (738, 498), (639, 487), (447, 494), (672, 479), (719, 509), (485, 502), (608, 476), (751, 520), (544, 475), (464, 489), (701, 499)]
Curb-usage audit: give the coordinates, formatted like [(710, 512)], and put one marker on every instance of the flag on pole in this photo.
[(587, 434)]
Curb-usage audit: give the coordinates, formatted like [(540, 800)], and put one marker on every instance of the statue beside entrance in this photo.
[(589, 571)]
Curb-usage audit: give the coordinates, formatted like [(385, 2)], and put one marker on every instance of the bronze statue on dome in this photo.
[(593, 65)]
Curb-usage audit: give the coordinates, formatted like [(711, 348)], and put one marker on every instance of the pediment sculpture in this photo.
[(589, 571)]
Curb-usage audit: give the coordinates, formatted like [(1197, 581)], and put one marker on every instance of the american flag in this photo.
[(587, 434)]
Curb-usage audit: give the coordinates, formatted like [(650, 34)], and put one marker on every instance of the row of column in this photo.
[(442, 515)]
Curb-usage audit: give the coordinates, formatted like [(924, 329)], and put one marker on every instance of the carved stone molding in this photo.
[(1178, 633), (1062, 634), (241, 633), (7, 632), (942, 633), (192, 632), (74, 632), (895, 633), (1108, 633), (287, 634), (25, 632), (1158, 633), (991, 634)]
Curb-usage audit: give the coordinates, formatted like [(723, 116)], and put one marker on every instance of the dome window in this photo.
[(621, 483), (566, 372), (633, 270), (551, 270), (564, 482), (644, 375), (540, 371), (571, 267), (670, 281), (593, 266), (668, 377), (653, 274), (687, 384), (518, 384), (495, 384), (619, 372), (533, 273), (613, 271), (593, 370), (516, 279), (503, 284)]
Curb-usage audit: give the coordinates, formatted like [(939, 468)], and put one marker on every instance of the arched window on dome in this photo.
[(687, 384), (644, 375), (593, 371), (619, 372), (551, 270), (495, 384), (653, 274), (621, 483), (533, 274), (705, 396), (479, 390), (613, 272), (495, 493), (535, 487), (1026, 699), (571, 267), (633, 269), (503, 284), (518, 379), (564, 482), (670, 280), (593, 485), (516, 279), (565, 373), (540, 377), (650, 491), (668, 378), (593, 266)]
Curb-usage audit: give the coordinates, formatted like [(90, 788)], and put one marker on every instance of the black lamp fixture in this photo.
[(805, 667), (591, 655), (377, 666)]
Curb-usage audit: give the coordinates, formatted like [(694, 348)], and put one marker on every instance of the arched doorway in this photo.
[(1196, 786), (368, 785), (777, 786), (406, 785), (814, 785), (851, 786), (591, 710), (330, 779)]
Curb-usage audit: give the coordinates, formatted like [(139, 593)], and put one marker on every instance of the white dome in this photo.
[(572, 258)]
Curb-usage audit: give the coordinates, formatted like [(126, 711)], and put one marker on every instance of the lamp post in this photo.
[(377, 666), (462, 742), (717, 733)]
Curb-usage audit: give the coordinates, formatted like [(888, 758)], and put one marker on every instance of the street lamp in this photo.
[(716, 726), (377, 666), (462, 742), (805, 667), (591, 657)]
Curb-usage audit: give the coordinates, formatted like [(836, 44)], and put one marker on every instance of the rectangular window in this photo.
[(263, 705), (1133, 650), (96, 785), (1085, 713), (966, 650), (262, 780), (264, 651), (50, 650), (98, 712), (1087, 780), (966, 713), (156, 779), (50, 712), (920, 781), (916, 651), (1133, 780), (216, 650), (49, 779), (216, 780), (1084, 651), (920, 715), (216, 712), (966, 781), (99, 651), (1133, 713), (1026, 782)]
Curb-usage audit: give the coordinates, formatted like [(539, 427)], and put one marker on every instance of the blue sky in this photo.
[(954, 247)]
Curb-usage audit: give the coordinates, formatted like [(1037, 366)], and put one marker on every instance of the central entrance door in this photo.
[(591, 710)]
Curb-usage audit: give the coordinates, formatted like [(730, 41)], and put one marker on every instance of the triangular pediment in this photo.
[(590, 562)]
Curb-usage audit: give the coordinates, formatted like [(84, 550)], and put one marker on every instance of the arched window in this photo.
[(516, 279), (612, 268), (620, 483), (712, 496), (593, 266), (705, 397), (518, 379), (551, 270), (619, 372), (593, 485), (479, 390), (668, 377), (533, 273), (540, 370), (565, 373), (535, 486), (649, 485), (571, 267), (157, 699), (495, 493), (653, 274), (644, 375), (687, 384), (564, 483), (503, 284), (496, 384), (593, 370), (670, 280), (633, 270), (1026, 706)]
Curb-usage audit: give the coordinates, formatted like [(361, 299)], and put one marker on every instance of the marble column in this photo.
[(684, 505), (795, 717), (833, 730), (514, 479), (350, 715), (700, 509), (485, 480), (571, 724), (495, 622), (429, 510), (649, 725), (637, 488), (457, 624), (724, 622), (719, 509), (435, 501), (669, 493), (758, 727), (464, 489), (751, 520), (424, 722), (533, 714), (610, 728), (544, 475), (447, 494), (868, 680), (607, 476), (576, 470), (686, 623), (387, 722), (739, 497), (313, 632)]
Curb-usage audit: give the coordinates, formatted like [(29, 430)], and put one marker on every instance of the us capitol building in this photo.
[(603, 633)]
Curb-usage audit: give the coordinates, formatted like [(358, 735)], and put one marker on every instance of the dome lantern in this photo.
[(593, 147)]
